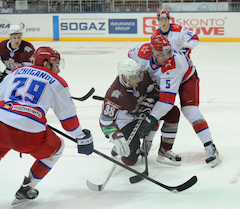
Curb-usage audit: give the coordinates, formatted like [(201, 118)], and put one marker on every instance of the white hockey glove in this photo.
[(120, 143)]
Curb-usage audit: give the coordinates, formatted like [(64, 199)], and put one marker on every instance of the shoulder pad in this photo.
[(176, 27), (145, 51)]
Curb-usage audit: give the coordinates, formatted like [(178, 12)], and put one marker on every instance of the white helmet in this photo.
[(14, 29), (128, 67)]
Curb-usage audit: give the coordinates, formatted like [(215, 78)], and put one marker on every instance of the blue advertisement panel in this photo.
[(120, 26)]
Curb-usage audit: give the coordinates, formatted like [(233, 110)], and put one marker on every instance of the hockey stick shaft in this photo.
[(179, 188), (100, 187), (92, 90), (137, 178)]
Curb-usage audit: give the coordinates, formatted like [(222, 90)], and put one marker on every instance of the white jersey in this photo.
[(180, 37), (26, 95), (169, 77)]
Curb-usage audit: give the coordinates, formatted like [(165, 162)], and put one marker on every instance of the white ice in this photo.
[(93, 64)]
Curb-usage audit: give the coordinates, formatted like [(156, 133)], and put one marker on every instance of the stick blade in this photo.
[(98, 97), (92, 90), (94, 187), (185, 185), (137, 178)]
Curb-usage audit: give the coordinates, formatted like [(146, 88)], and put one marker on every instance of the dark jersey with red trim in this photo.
[(121, 104), (13, 58)]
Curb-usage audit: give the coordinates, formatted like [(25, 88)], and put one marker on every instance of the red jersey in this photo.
[(13, 58)]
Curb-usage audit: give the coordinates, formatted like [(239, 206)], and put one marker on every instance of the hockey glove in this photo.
[(146, 105), (85, 145), (120, 143), (2, 76), (186, 51), (147, 125)]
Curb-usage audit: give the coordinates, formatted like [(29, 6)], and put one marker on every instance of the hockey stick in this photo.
[(92, 90), (179, 188), (98, 98), (137, 178), (100, 187)]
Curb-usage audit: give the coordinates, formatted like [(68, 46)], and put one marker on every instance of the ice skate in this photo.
[(168, 157), (113, 152), (212, 154), (25, 193)]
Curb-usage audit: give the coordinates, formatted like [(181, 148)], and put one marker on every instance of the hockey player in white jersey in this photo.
[(181, 38), (25, 97), (174, 73)]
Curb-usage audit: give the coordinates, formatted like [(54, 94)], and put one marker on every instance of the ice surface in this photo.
[(93, 64)]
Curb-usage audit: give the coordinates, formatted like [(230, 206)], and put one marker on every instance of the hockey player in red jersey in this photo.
[(181, 38), (14, 52), (174, 73), (26, 94), (131, 94)]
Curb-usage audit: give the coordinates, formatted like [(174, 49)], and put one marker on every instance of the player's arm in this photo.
[(133, 51), (111, 121), (191, 41), (65, 110)]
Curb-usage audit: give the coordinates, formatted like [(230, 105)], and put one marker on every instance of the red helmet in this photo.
[(160, 43), (45, 53), (163, 13)]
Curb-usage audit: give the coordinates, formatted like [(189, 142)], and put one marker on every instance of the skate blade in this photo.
[(215, 162), (19, 202), (167, 161)]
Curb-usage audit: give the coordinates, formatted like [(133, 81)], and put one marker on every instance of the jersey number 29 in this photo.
[(33, 92)]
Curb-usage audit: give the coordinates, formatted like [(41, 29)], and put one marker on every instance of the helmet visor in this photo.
[(137, 78)]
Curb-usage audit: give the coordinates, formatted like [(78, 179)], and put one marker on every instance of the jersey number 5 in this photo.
[(167, 84), (33, 93)]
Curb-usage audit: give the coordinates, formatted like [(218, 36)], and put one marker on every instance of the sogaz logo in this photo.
[(4, 26), (83, 26)]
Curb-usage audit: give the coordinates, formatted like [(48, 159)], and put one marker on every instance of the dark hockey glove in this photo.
[(146, 105), (2, 76), (186, 51), (147, 125), (85, 144)]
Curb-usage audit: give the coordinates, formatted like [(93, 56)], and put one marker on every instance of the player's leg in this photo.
[(189, 98), (168, 135), (46, 154), (134, 145)]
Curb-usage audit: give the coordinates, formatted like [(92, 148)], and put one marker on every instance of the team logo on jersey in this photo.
[(27, 49), (136, 93), (116, 94), (145, 49), (28, 110)]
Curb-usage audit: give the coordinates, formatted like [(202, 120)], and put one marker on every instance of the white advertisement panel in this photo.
[(118, 26), (206, 25), (33, 25)]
